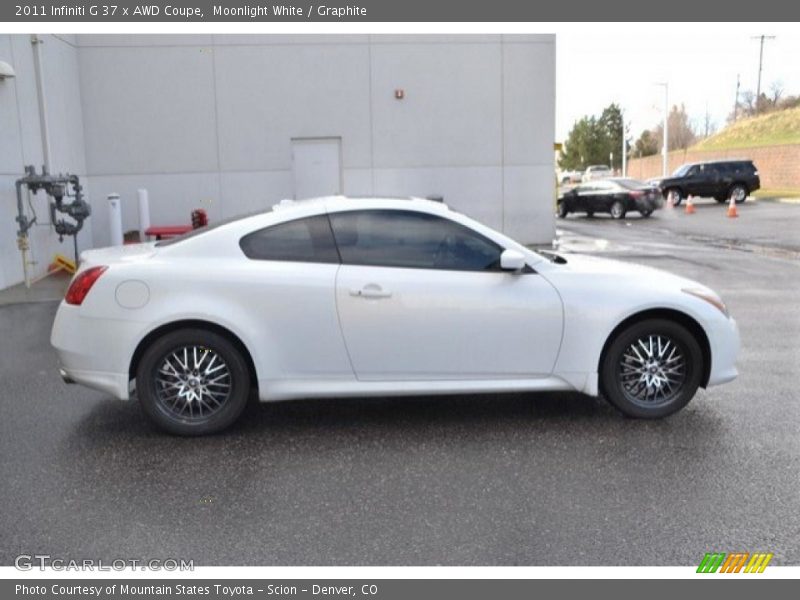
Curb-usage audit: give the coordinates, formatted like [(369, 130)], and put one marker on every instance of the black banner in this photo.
[(31, 11), (387, 589)]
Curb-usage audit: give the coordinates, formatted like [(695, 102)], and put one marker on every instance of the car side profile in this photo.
[(722, 180), (616, 196), (338, 297)]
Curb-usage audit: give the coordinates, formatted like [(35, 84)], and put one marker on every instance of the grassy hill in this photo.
[(780, 127)]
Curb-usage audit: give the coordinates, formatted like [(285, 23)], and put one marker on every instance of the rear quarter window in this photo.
[(302, 240)]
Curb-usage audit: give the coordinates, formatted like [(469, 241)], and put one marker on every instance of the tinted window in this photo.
[(303, 240), (682, 170), (394, 238)]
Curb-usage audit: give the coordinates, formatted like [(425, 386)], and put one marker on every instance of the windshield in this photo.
[(682, 170)]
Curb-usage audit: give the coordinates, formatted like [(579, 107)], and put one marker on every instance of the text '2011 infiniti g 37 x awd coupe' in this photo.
[(338, 297)]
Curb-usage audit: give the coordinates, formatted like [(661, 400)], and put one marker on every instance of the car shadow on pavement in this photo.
[(517, 412)]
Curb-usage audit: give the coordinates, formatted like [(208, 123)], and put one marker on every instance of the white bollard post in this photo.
[(144, 214), (115, 219)]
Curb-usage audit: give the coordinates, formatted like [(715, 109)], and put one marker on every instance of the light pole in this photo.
[(665, 145), (624, 151)]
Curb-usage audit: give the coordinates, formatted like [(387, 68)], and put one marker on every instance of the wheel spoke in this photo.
[(652, 370), (192, 382)]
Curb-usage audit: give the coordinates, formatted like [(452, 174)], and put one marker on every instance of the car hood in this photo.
[(625, 275)]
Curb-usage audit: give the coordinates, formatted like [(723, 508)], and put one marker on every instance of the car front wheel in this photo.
[(192, 382), (674, 196), (651, 369), (561, 210)]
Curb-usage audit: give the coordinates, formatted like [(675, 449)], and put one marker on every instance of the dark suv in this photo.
[(721, 180)]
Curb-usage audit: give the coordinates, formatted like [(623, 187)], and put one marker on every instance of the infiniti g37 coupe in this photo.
[(338, 297)]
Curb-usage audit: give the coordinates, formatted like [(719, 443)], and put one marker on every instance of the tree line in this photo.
[(597, 140)]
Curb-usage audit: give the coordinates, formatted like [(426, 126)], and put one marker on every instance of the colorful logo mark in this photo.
[(734, 562)]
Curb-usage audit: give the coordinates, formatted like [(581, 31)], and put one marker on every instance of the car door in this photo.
[(603, 196), (585, 197), (701, 180), (288, 288), (421, 297)]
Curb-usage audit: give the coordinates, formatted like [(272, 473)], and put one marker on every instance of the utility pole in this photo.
[(761, 37), (736, 102)]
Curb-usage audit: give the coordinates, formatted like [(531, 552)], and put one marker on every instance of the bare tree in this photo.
[(681, 131), (776, 92)]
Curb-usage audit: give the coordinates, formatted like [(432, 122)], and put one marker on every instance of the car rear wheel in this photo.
[(561, 210), (618, 210), (674, 195), (738, 192), (192, 382), (646, 212), (652, 369)]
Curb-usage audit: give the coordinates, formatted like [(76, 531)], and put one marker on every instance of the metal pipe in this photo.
[(37, 42), (23, 242)]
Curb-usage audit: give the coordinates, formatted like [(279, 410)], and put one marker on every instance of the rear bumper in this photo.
[(94, 352)]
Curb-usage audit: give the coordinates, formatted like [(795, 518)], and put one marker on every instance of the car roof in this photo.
[(720, 161), (341, 203)]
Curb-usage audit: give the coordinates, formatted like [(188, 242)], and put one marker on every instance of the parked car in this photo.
[(570, 177), (341, 297), (595, 172), (721, 180), (617, 196)]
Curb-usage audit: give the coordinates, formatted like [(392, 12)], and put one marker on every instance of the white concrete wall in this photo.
[(207, 121), (20, 144)]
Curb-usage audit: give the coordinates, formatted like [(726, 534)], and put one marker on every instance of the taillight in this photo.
[(81, 285)]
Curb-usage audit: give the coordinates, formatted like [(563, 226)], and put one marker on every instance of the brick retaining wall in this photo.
[(778, 166)]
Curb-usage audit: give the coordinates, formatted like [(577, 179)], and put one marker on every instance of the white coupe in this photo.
[(338, 296)]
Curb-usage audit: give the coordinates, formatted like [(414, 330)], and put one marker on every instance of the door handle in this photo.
[(371, 291)]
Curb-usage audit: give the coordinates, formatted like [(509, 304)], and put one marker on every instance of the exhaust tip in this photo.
[(65, 377)]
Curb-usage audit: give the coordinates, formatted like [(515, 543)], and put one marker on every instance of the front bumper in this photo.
[(725, 343)]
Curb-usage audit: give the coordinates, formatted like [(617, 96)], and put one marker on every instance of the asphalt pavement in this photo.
[(520, 479)]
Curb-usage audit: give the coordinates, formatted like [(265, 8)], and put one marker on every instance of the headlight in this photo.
[(709, 297)]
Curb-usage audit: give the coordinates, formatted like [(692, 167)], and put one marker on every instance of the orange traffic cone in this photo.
[(689, 206), (732, 211)]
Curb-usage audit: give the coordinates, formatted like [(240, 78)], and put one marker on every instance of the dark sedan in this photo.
[(617, 196)]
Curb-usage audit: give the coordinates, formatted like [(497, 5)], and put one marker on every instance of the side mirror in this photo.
[(512, 260)]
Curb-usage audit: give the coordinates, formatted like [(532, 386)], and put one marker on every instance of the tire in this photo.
[(677, 196), (561, 210), (175, 396), (618, 210), (590, 214), (738, 192), (646, 212), (622, 374)]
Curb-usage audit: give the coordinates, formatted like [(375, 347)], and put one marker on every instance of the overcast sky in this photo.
[(597, 67)]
